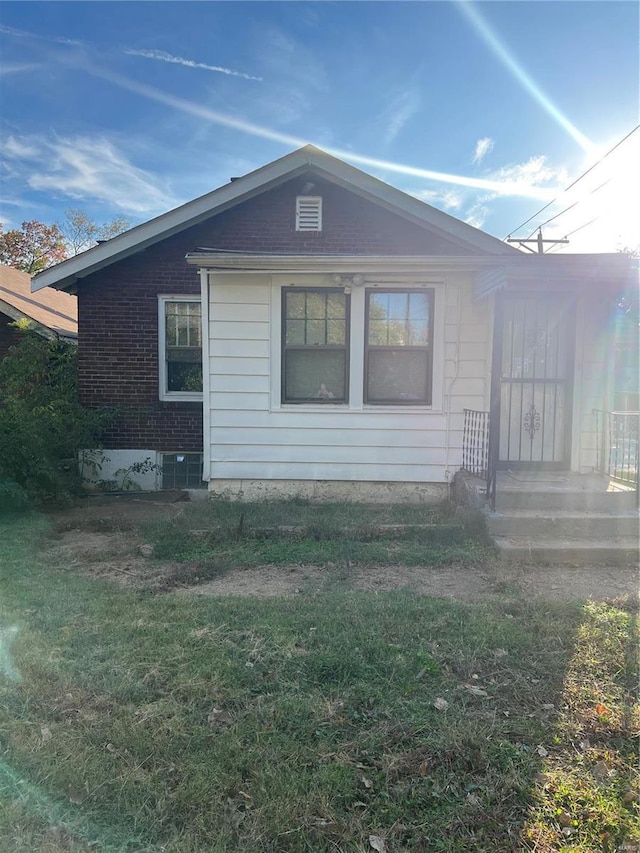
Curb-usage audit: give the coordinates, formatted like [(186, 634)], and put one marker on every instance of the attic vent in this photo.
[(309, 213)]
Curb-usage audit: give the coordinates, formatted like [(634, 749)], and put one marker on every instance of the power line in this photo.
[(575, 231), (579, 178), (575, 203)]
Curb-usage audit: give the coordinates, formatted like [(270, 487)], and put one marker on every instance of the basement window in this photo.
[(182, 471), (308, 213)]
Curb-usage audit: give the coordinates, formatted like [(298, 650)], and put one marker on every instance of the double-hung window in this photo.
[(180, 339), (315, 337), (398, 347)]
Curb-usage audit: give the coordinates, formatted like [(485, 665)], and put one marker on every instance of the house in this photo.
[(310, 330), (52, 313)]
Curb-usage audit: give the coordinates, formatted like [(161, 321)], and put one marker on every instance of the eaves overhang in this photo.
[(610, 270), (328, 264)]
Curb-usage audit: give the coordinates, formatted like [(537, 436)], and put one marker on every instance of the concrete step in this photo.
[(563, 524), (565, 499), (621, 551)]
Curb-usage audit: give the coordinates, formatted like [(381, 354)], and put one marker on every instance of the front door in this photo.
[(536, 369)]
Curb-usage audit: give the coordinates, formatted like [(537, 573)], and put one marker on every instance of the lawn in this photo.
[(336, 721)]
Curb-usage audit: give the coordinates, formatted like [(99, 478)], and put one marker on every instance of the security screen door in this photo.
[(536, 380)]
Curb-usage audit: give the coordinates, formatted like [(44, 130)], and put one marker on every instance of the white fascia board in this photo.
[(65, 274), (240, 263)]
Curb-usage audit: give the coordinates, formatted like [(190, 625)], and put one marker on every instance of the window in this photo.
[(315, 334), (182, 471), (180, 340), (308, 213), (398, 347)]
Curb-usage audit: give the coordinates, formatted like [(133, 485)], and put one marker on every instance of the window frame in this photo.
[(428, 349), (284, 347), (163, 373)]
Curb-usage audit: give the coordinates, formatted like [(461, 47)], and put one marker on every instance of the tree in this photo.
[(33, 247), (81, 233), (43, 426)]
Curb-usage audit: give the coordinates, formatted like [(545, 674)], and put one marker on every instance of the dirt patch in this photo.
[(102, 538)]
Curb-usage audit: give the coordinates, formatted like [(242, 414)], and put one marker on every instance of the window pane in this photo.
[(336, 332), (183, 346), (316, 306), (336, 306), (398, 376), (315, 375), (316, 332), (295, 331), (295, 305)]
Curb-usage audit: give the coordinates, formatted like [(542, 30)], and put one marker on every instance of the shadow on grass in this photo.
[(148, 723)]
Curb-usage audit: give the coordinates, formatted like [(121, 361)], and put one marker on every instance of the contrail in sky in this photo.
[(517, 188), (163, 56)]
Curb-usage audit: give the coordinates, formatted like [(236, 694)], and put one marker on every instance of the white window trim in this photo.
[(356, 355), (173, 396)]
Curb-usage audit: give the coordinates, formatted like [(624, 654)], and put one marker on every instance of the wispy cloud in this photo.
[(401, 109), (483, 146), (534, 171), (17, 67), (89, 168), (518, 185), (12, 31), (163, 56), (447, 199)]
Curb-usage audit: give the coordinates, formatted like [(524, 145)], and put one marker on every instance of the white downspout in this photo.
[(206, 377), (452, 382)]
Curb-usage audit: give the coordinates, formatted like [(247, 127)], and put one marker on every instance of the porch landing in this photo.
[(562, 518)]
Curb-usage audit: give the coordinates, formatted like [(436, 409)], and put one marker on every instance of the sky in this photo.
[(488, 111)]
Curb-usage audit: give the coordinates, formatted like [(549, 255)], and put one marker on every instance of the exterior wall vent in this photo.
[(309, 213)]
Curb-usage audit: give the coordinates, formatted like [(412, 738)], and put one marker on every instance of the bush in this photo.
[(13, 497), (42, 424)]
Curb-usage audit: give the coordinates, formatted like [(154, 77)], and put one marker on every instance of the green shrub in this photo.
[(13, 497), (42, 424)]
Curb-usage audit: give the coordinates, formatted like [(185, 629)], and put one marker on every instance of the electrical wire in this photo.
[(575, 203), (579, 178)]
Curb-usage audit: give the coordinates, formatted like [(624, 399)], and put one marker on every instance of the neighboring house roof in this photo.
[(309, 158), (55, 313)]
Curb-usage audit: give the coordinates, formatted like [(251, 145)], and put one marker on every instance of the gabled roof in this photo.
[(55, 313), (309, 158)]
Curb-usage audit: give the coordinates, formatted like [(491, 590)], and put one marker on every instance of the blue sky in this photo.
[(486, 110)]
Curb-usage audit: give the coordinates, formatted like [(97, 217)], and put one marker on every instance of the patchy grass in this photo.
[(218, 535), (131, 722)]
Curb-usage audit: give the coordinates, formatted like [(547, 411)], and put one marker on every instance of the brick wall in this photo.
[(118, 307)]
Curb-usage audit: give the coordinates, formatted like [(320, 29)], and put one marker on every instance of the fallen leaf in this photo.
[(475, 690), (378, 843), (440, 704), (564, 819), (424, 767), (602, 709)]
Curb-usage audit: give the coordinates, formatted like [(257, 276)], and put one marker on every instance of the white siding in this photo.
[(592, 379), (254, 437)]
